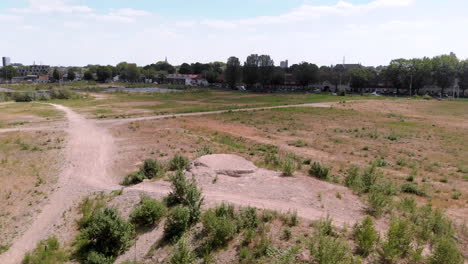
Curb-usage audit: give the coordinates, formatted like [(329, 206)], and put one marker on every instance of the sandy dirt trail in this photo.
[(88, 154)]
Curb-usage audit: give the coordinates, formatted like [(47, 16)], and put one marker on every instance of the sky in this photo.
[(370, 32)]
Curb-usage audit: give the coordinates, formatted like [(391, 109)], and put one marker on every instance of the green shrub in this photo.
[(96, 258), (182, 253), (330, 250), (248, 218), (446, 251), (380, 163), (218, 229), (319, 171), (179, 162), (291, 219), (288, 167), (286, 234), (353, 179), (152, 169), (342, 92), (205, 150), (324, 227), (63, 93), (133, 178), (412, 189), (47, 252), (366, 237), (147, 213), (378, 200), (24, 96), (177, 222), (185, 192), (369, 177), (106, 233), (225, 210), (430, 223), (398, 243), (271, 159)]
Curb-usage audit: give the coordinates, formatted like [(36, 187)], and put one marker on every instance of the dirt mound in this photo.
[(226, 164), (233, 179)]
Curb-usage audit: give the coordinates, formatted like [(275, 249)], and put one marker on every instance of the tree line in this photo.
[(258, 72)]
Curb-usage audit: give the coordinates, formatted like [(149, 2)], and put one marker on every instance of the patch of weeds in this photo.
[(298, 143), (149, 170), (402, 162), (205, 150), (147, 213), (4, 248), (47, 251), (380, 163), (219, 228), (290, 219), (444, 180), (179, 162), (326, 249), (412, 189), (319, 171), (324, 227), (287, 234), (456, 195), (446, 251), (398, 242), (366, 237), (182, 254), (133, 178), (412, 176), (177, 222), (267, 148), (288, 167)]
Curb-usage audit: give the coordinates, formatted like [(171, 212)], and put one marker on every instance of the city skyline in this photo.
[(371, 32)]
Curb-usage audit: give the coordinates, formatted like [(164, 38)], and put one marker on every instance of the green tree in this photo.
[(71, 74), (396, 73), (463, 76), (366, 237), (444, 71), (132, 72), (278, 76), (211, 76), (8, 72), (266, 68), (250, 71), (360, 78), (56, 75), (88, 75), (185, 68), (305, 73), (103, 73), (233, 72), (418, 74)]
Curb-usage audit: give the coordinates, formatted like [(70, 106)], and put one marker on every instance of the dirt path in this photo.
[(88, 154)]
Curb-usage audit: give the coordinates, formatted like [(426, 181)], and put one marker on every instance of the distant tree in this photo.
[(56, 75), (306, 73), (360, 78), (218, 66), (250, 71), (132, 72), (121, 70), (8, 72), (199, 68), (266, 68), (233, 72), (445, 71), (185, 68), (463, 76), (161, 66), (103, 73), (211, 76), (397, 73), (88, 75), (278, 77), (71, 74), (419, 74)]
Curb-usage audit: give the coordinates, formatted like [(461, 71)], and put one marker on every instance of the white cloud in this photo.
[(52, 6)]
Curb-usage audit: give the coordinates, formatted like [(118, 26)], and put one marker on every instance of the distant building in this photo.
[(6, 61), (33, 70), (187, 79), (284, 64)]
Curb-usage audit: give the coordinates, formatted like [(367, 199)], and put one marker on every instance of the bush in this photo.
[(319, 171), (62, 94), (147, 213), (288, 168), (353, 179), (24, 96), (324, 227), (177, 222), (96, 258), (366, 237), (133, 178), (219, 229), (291, 219), (248, 218), (47, 252), (412, 189), (446, 251), (342, 92), (105, 233), (185, 192), (329, 250), (181, 253), (398, 243), (152, 169), (369, 177), (379, 199), (179, 162)]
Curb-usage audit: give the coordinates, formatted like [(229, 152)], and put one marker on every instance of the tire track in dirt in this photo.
[(88, 154)]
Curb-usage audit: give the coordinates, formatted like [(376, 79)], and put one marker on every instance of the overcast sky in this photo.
[(371, 32)]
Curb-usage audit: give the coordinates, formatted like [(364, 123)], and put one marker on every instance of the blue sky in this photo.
[(371, 32)]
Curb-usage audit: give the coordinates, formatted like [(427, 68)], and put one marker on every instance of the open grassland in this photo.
[(29, 163), (18, 114), (121, 105)]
